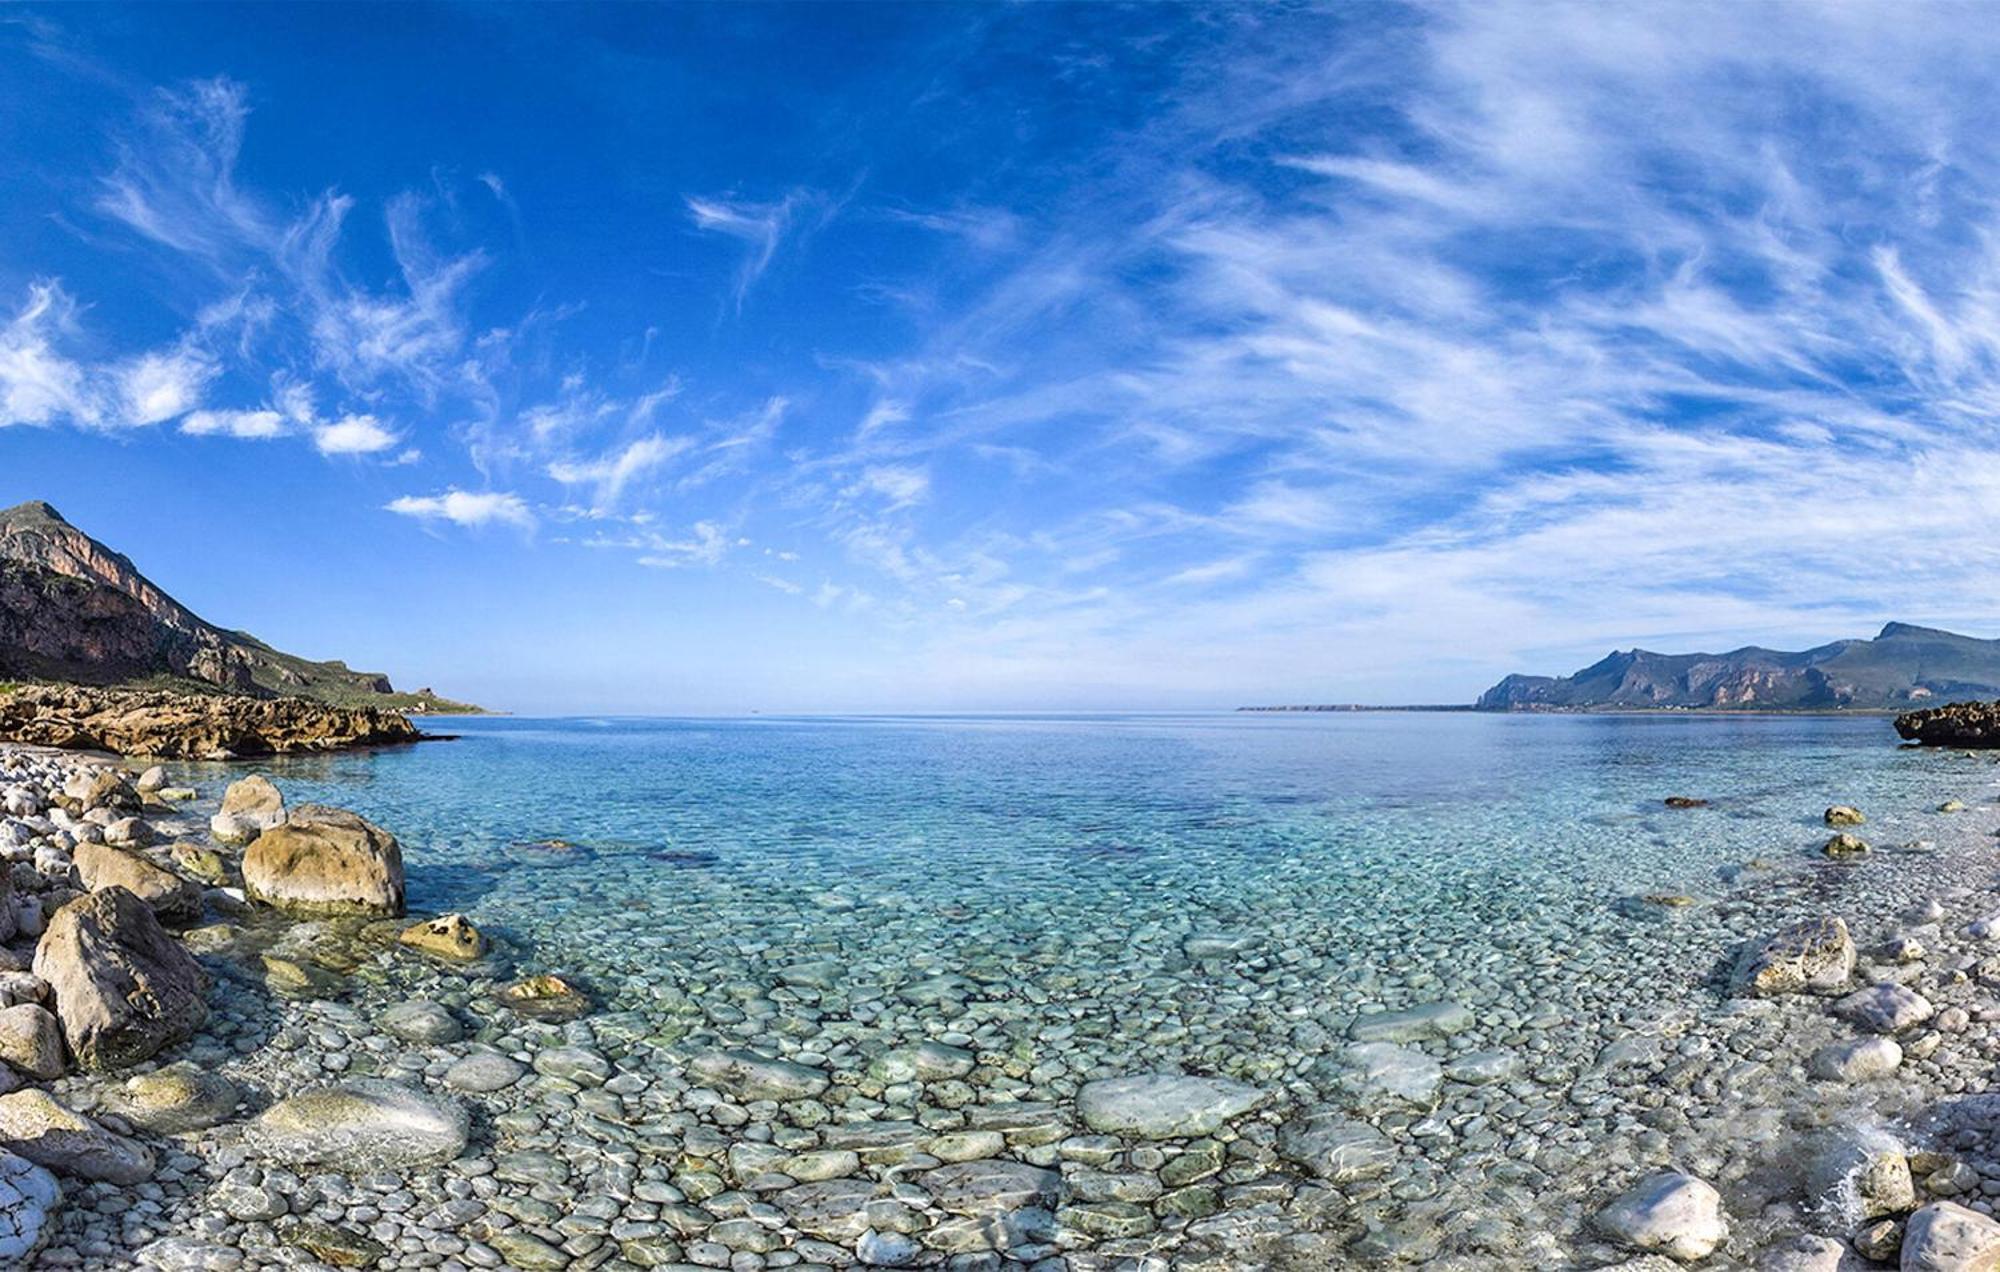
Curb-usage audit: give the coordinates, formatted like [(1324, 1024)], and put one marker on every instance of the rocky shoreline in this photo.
[(226, 1047), (189, 726)]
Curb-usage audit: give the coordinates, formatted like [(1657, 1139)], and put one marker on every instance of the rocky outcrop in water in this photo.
[(1964, 724), (190, 726)]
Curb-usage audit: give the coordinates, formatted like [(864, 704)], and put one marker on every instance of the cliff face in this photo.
[(1903, 666), (73, 609)]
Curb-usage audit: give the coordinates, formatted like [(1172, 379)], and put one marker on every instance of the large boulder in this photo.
[(174, 899), (1810, 956), (45, 1132), (326, 861), (123, 987), (1667, 1213), (249, 808), (1947, 1237), (362, 1125)]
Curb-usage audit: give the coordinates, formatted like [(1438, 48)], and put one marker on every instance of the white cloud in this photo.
[(354, 435), (761, 226), (706, 546), (900, 485), (613, 472), (162, 386), (466, 508), (38, 385), (252, 425)]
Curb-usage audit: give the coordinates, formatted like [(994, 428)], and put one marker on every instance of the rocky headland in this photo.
[(73, 610), (1903, 665)]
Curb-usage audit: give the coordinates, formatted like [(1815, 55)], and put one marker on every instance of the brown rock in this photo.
[(123, 987), (449, 936), (190, 726), (326, 861), (176, 900)]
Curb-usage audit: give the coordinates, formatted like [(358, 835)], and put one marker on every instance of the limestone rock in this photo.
[(325, 861), (1844, 815), (1164, 1105), (1843, 845), (1429, 1020), (31, 1040), (29, 1196), (175, 1099), (123, 987), (250, 806), (422, 1021), (1811, 956), (190, 726), (1947, 1237), (1886, 1008), (1336, 1148), (1856, 1060), (360, 1125), (991, 1187), (449, 936), (38, 1128), (1668, 1213), (749, 1076), (546, 997), (175, 900)]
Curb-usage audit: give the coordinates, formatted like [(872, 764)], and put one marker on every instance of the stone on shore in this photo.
[(1844, 846), (749, 1076), (361, 1125), (991, 1187), (1856, 1060), (1164, 1105), (546, 997), (45, 1132), (1844, 815), (1667, 1213), (31, 1040), (175, 900), (1886, 1008), (1947, 1237), (1428, 1020), (29, 1196), (1381, 1073), (325, 862), (175, 1099), (449, 936), (123, 987), (1811, 956), (1336, 1148), (423, 1022), (250, 807)]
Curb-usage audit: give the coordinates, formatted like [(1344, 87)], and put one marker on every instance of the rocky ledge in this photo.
[(1963, 724), (190, 726)]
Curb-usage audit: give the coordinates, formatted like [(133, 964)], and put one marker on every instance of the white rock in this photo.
[(1668, 1213), (1856, 1060), (1947, 1237), (1164, 1105)]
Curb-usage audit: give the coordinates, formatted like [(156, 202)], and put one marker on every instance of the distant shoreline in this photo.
[(1634, 711)]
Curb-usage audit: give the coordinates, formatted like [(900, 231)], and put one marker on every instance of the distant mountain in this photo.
[(1901, 667), (73, 610)]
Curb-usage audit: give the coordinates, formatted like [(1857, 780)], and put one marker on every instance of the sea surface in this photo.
[(1091, 895)]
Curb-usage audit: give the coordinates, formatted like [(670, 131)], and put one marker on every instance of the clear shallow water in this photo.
[(832, 889)]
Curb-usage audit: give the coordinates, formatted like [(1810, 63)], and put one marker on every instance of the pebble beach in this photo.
[(1787, 1067)]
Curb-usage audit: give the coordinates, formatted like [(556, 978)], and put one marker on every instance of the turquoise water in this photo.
[(1056, 888)]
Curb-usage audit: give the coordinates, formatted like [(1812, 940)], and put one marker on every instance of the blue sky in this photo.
[(839, 357)]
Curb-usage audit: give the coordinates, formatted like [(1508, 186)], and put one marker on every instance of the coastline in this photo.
[(296, 1003)]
